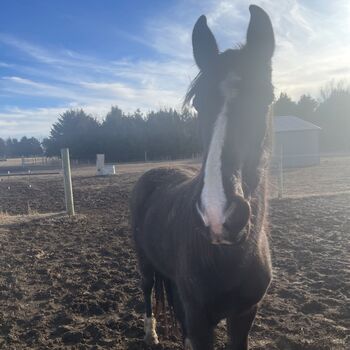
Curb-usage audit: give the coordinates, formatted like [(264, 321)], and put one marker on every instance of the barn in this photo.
[(297, 140)]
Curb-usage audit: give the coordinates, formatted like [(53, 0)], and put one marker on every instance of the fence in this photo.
[(19, 193), (33, 162), (26, 180), (331, 175)]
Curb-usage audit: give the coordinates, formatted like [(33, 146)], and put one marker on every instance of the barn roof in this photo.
[(291, 123)]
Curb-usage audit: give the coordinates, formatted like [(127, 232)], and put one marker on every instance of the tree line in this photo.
[(164, 134), (170, 134), (331, 112), (25, 147)]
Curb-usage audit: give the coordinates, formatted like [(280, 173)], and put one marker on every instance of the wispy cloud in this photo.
[(37, 122), (5, 65), (34, 51), (313, 39)]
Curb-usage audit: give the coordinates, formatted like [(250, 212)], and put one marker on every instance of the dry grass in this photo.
[(8, 219)]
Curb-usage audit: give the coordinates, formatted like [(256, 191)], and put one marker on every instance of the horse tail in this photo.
[(164, 307)]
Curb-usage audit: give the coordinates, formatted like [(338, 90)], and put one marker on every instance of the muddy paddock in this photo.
[(72, 283)]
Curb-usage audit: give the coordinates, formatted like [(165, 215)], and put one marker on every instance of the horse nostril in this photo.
[(237, 215)]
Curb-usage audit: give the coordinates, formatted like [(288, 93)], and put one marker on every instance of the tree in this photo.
[(13, 148), (333, 115), (306, 108), (114, 131), (29, 147), (162, 134), (284, 105), (77, 131), (2, 148)]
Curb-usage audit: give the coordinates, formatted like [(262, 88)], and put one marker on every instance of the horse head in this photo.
[(232, 94)]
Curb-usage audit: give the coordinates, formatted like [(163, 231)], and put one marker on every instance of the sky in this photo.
[(92, 54)]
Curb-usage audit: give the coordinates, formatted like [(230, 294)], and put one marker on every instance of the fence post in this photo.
[(68, 190), (280, 174), (100, 164)]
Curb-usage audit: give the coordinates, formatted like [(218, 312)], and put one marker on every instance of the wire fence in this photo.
[(323, 174), (21, 187)]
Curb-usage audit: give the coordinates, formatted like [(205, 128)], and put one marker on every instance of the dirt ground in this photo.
[(72, 283)]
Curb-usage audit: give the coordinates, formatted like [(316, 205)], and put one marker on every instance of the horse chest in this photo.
[(231, 286)]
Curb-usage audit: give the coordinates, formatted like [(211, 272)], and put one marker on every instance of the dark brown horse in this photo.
[(202, 236)]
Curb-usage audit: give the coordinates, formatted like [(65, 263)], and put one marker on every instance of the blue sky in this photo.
[(56, 55)]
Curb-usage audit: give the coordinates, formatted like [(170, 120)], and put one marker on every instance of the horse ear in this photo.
[(260, 37), (205, 48)]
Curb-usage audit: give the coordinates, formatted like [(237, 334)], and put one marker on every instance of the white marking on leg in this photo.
[(151, 336)]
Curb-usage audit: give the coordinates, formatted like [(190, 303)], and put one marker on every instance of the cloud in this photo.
[(16, 122), (313, 47), (5, 65), (35, 52)]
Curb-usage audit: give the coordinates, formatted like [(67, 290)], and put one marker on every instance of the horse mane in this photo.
[(191, 92)]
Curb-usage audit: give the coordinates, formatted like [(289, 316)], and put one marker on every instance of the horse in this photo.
[(201, 236)]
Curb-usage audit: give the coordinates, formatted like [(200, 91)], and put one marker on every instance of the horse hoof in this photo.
[(151, 339)]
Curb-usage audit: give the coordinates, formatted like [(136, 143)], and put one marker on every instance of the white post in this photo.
[(145, 156), (68, 190), (8, 180), (280, 174), (100, 164)]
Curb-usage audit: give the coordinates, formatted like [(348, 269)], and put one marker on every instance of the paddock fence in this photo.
[(23, 182), (17, 179), (321, 174)]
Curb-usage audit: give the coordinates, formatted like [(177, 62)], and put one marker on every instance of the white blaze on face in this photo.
[(213, 198)]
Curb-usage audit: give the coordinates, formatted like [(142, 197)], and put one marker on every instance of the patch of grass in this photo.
[(4, 214), (31, 211)]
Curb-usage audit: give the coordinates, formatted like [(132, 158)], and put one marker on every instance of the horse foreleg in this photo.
[(200, 333), (238, 327), (151, 336), (178, 308)]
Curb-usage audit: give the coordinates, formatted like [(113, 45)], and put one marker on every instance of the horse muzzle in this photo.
[(234, 227)]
